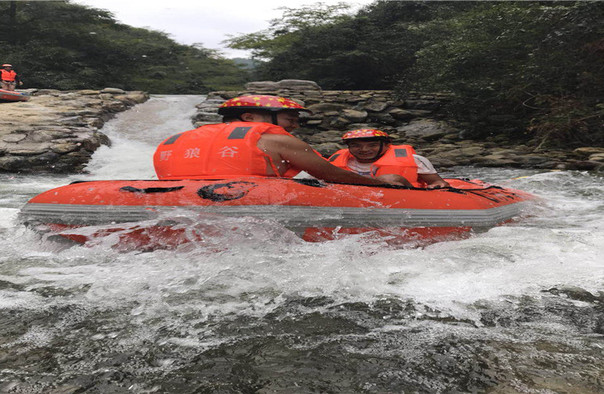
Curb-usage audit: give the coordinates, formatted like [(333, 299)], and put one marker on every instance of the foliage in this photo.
[(527, 70), (66, 46), (540, 62)]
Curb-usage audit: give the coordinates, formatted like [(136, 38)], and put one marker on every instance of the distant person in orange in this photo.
[(10, 79), (371, 153), (254, 140)]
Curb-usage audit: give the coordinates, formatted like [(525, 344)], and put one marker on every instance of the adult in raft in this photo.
[(370, 152), (10, 79), (253, 140)]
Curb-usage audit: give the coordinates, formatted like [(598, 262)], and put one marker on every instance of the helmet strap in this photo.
[(379, 154), (274, 118)]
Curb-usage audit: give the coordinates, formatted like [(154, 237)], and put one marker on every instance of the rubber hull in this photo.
[(314, 210), (11, 95)]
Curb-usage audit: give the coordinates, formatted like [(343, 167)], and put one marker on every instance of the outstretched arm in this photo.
[(300, 155), (433, 181)]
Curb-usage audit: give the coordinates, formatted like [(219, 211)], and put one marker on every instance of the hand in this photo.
[(438, 185), (394, 179)]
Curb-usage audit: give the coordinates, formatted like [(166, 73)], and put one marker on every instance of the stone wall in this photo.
[(417, 120), (58, 131)]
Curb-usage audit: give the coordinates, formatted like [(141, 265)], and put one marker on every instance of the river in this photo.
[(256, 310)]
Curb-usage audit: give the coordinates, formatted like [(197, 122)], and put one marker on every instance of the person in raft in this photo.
[(10, 79), (370, 152), (253, 140)]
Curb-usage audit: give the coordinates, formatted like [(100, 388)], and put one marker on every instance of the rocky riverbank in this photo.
[(58, 131), (417, 120)]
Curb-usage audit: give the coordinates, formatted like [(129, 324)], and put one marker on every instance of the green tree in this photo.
[(67, 46), (539, 62), (366, 51)]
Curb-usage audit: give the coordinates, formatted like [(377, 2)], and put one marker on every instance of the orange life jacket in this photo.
[(220, 150), (398, 159), (8, 76)]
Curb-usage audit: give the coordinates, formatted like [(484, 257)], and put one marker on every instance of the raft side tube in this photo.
[(289, 215)]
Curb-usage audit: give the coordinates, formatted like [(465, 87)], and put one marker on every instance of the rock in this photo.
[(327, 149), (89, 92), (597, 157), (325, 136), (582, 165), (261, 86), (65, 147), (56, 131), (354, 115), (313, 122), (327, 107), (407, 114), (382, 119), (13, 163), (27, 148), (574, 293), (113, 91), (375, 106), (587, 151), (115, 106), (297, 84), (426, 129), (207, 117), (14, 138), (430, 105)]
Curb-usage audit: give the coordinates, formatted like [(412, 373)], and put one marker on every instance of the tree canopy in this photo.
[(62, 45), (527, 70)]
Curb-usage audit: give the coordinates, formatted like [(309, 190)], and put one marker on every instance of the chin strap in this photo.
[(274, 118), (380, 153)]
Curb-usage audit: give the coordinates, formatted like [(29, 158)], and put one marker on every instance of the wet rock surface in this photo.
[(417, 120), (58, 131)]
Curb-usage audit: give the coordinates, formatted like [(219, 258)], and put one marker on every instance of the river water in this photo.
[(254, 309)]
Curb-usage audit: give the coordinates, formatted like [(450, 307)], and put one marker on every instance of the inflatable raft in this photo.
[(314, 210), (11, 95)]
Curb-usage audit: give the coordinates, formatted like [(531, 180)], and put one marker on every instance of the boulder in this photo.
[(587, 151), (327, 149), (354, 115), (65, 147), (261, 86), (14, 138), (113, 91), (375, 106), (298, 85), (426, 129), (56, 131), (327, 107), (407, 114)]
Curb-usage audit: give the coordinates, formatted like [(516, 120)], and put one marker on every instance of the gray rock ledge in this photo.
[(58, 131)]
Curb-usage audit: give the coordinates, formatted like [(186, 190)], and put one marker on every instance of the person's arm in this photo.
[(433, 181), (301, 156), (427, 174)]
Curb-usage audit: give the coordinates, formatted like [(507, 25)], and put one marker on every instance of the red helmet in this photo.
[(365, 133), (238, 105)]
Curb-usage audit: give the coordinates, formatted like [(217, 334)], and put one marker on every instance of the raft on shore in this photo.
[(12, 95), (314, 210)]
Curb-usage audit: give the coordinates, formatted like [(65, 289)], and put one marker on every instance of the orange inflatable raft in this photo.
[(314, 210), (11, 95)]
